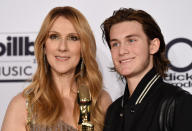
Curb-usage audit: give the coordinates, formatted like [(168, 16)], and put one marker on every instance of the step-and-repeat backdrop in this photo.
[(20, 21)]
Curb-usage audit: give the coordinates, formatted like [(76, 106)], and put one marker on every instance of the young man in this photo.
[(138, 52)]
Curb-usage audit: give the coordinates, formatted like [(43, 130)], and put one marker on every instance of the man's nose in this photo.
[(123, 48)]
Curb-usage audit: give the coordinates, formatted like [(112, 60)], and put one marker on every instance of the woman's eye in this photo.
[(73, 38), (53, 36)]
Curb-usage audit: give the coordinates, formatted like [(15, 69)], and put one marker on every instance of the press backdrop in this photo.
[(20, 21)]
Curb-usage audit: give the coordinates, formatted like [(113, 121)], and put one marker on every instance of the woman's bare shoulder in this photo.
[(16, 114), (18, 99), (18, 103)]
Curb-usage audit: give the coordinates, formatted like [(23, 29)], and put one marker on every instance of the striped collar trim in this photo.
[(146, 89)]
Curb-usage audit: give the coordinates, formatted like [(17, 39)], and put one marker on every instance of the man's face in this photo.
[(130, 49)]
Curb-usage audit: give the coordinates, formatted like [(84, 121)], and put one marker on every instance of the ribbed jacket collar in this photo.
[(143, 89)]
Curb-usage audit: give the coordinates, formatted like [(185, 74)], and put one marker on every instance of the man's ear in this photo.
[(154, 46)]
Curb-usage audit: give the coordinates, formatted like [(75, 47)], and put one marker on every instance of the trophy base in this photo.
[(87, 127)]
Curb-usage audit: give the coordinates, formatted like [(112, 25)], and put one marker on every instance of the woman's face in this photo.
[(62, 47)]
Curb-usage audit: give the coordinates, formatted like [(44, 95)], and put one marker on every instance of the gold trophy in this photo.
[(84, 101)]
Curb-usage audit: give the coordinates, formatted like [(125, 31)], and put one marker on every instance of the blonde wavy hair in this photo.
[(42, 92)]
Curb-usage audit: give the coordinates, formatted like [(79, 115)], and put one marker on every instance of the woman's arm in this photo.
[(15, 117), (105, 101)]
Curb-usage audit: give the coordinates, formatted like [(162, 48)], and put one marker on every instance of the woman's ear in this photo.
[(154, 46)]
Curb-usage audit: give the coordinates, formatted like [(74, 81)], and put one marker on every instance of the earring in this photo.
[(82, 68), (45, 63)]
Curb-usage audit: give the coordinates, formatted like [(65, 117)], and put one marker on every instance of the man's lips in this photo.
[(126, 60)]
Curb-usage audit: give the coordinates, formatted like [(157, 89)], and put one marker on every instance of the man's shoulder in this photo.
[(117, 101), (116, 104), (114, 111), (172, 90)]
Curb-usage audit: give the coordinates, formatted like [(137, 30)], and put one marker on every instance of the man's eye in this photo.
[(53, 36), (131, 40), (73, 38), (115, 44)]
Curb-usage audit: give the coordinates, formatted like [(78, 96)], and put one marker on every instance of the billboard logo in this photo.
[(17, 60), (15, 46)]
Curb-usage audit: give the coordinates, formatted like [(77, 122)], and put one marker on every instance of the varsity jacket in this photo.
[(143, 110)]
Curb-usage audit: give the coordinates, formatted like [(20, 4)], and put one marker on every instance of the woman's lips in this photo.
[(62, 58)]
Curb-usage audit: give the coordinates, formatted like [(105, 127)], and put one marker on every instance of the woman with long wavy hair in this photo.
[(65, 51)]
